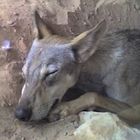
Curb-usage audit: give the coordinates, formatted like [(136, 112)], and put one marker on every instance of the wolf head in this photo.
[(53, 66)]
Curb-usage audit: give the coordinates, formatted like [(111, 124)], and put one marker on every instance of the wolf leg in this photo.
[(85, 101)]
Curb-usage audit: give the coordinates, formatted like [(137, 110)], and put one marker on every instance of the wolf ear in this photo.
[(85, 44), (42, 30)]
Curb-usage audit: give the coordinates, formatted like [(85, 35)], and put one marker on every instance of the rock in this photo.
[(104, 126), (67, 17)]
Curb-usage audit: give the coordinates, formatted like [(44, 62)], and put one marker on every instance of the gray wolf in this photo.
[(105, 66)]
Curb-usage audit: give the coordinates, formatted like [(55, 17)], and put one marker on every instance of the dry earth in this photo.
[(12, 16), (12, 129)]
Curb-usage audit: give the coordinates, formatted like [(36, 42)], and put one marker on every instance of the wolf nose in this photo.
[(23, 114)]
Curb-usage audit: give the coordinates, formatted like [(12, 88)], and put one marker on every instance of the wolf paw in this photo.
[(59, 112)]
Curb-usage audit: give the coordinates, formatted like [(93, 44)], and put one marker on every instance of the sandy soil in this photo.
[(15, 26), (12, 129)]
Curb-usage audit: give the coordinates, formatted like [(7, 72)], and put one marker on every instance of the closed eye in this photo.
[(48, 74)]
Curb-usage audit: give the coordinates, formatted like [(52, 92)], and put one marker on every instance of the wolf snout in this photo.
[(23, 114)]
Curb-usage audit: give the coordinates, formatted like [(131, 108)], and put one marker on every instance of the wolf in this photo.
[(104, 66)]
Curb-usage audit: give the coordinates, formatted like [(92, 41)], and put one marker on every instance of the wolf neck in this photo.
[(98, 67)]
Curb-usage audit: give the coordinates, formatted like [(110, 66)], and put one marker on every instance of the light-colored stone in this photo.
[(104, 126)]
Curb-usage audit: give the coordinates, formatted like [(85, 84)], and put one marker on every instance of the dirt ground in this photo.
[(15, 26), (12, 16), (12, 129)]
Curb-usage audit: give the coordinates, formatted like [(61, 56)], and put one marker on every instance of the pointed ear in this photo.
[(42, 30), (85, 44)]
